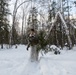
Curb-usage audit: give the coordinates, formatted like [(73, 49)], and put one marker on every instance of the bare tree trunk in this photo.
[(57, 37), (2, 44), (66, 30), (62, 37), (13, 21), (22, 26), (10, 36)]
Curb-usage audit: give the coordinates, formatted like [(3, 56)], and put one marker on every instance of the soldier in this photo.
[(32, 39)]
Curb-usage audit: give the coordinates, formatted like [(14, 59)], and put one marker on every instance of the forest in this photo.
[(54, 20)]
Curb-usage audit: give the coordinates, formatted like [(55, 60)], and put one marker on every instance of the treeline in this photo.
[(13, 35)]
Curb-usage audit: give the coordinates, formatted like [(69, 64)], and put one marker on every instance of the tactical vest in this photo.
[(33, 40)]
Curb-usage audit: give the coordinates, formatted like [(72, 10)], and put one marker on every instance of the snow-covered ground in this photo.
[(16, 62)]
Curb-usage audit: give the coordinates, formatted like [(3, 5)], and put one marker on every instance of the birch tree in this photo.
[(16, 7)]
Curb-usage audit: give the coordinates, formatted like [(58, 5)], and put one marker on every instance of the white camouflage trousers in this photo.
[(34, 53)]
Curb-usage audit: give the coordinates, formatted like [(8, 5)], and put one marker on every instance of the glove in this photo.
[(27, 48)]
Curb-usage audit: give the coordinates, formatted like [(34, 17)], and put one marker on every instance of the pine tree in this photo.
[(4, 32), (32, 20)]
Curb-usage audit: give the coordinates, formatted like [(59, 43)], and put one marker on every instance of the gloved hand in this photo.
[(27, 48)]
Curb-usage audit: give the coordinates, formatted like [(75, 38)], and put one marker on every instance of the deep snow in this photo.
[(16, 62)]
